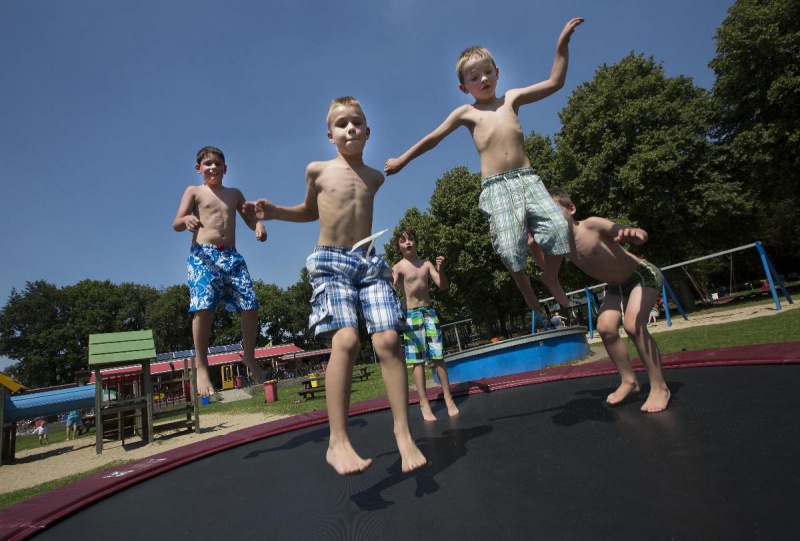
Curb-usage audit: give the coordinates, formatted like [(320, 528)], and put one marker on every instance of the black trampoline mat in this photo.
[(546, 461)]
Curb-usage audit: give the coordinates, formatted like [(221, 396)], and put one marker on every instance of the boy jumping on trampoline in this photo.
[(634, 286), (513, 198), (347, 277), (423, 337), (216, 270)]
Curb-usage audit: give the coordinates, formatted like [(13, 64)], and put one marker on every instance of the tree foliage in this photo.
[(46, 329), (757, 91), (635, 148)]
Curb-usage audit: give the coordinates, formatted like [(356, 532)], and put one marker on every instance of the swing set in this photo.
[(772, 278)]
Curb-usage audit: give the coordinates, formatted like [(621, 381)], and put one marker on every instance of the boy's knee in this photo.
[(346, 339), (387, 341), (607, 331)]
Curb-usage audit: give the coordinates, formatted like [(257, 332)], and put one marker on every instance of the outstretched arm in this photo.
[(395, 165), (558, 73), (307, 211), (251, 221), (620, 233)]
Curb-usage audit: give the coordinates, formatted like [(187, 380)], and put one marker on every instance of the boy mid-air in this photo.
[(513, 198)]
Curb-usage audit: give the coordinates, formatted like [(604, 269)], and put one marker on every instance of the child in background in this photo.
[(423, 338), (41, 431)]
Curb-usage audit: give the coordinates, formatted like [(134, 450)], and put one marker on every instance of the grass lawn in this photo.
[(781, 327)]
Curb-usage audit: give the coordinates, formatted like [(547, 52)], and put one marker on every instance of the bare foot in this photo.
[(204, 386), (427, 413), (657, 400), (622, 392), (346, 461), (413, 459), (452, 410)]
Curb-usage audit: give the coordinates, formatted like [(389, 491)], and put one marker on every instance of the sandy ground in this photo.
[(57, 460)]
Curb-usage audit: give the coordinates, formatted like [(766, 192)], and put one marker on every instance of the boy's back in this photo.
[(596, 252)]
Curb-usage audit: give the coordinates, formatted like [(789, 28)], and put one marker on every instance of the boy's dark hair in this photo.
[(404, 232), (205, 151), (561, 197)]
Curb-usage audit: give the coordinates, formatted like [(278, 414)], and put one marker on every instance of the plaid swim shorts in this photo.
[(346, 283), (219, 273), (423, 337), (646, 275), (514, 202)]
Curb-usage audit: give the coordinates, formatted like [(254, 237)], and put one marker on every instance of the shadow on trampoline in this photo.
[(319, 435), (445, 450)]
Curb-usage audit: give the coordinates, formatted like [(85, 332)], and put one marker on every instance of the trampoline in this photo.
[(532, 456)]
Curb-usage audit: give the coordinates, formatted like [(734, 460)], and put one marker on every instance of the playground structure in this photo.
[(733, 291), (18, 407), (125, 400), (771, 283)]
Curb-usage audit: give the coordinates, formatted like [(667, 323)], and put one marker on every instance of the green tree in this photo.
[(46, 329), (283, 314), (167, 315), (757, 90), (298, 307), (30, 333), (635, 148)]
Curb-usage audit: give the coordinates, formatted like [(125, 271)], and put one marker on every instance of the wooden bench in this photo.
[(310, 391), (360, 374), (308, 383)]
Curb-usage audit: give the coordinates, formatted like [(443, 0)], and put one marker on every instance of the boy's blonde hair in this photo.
[(347, 101), (468, 54)]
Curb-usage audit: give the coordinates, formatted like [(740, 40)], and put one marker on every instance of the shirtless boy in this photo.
[(423, 338), (632, 282), (513, 198), (216, 270), (346, 278)]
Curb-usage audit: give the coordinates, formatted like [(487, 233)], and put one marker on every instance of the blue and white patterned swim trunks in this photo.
[(423, 337), (347, 282), (514, 202), (219, 273)]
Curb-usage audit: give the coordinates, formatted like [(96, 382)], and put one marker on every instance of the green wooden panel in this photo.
[(119, 336), (121, 347)]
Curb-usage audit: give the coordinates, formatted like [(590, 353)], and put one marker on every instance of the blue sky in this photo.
[(105, 103)]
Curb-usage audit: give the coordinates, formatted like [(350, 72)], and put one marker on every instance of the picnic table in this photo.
[(309, 389)]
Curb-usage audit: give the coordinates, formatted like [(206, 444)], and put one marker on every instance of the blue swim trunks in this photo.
[(219, 273), (514, 202), (423, 337), (346, 283), (74, 418)]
